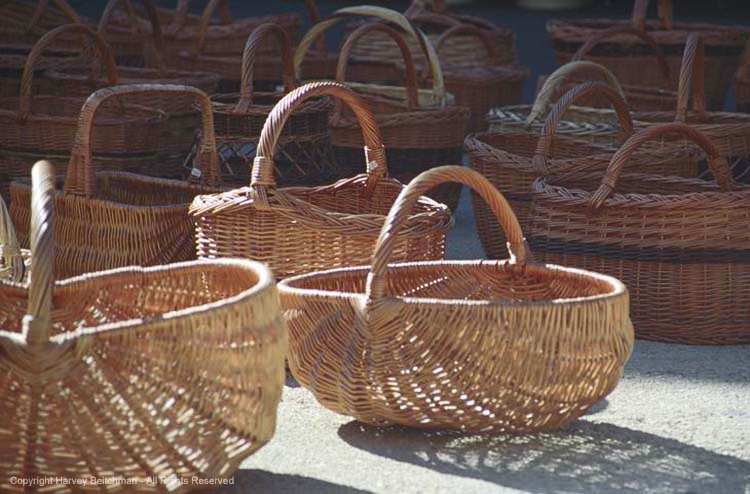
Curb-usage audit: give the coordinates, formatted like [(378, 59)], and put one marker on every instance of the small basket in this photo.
[(151, 377), (125, 137), (300, 229), (303, 156), (479, 346), (680, 245), (631, 60), (113, 219), (13, 260)]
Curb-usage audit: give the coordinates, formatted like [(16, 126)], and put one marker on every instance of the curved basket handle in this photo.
[(717, 164), (438, 85), (487, 42), (312, 9), (263, 165), (554, 81), (544, 145), (614, 31), (664, 9), (412, 91), (81, 176), (206, 20), (24, 101), (42, 5), (407, 199), (181, 13), (248, 62), (153, 17), (692, 75), (42, 282), (11, 249)]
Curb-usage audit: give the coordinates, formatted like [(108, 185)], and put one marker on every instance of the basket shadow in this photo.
[(585, 458), (262, 482)]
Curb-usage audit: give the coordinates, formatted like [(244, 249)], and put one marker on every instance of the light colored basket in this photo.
[(145, 378), (680, 245), (300, 229), (13, 260), (480, 346)]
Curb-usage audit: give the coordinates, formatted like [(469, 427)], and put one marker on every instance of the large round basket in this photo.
[(480, 346), (157, 379)]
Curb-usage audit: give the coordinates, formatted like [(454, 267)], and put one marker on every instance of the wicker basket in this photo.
[(134, 42), (114, 219), (631, 60), (25, 23), (13, 60), (742, 83), (480, 346), (303, 155), (12, 258), (125, 137), (150, 377), (300, 229), (680, 245)]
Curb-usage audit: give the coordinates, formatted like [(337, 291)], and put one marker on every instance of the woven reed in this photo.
[(22, 23), (13, 60), (512, 161), (239, 120), (13, 260), (480, 346), (114, 219), (134, 42), (631, 60), (169, 372), (680, 245), (300, 229)]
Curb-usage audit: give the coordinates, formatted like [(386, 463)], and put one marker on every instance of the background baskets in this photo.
[(113, 219), (119, 373), (680, 245), (480, 346), (742, 83), (301, 229), (631, 61), (304, 151)]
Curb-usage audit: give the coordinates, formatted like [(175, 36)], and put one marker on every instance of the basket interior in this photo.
[(639, 183), (138, 190)]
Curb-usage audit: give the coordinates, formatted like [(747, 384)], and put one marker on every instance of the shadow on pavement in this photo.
[(585, 458), (262, 482)]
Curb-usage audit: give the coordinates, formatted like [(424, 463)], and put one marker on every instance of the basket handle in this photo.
[(555, 80), (182, 9), (42, 5), (412, 94), (487, 42), (153, 18), (664, 8), (312, 10), (544, 145), (388, 15), (81, 175), (718, 165), (205, 22), (263, 164), (11, 248), (692, 75), (24, 101), (407, 199), (616, 30), (248, 62)]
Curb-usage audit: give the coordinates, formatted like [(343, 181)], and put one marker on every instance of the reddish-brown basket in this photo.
[(631, 60), (24, 23)]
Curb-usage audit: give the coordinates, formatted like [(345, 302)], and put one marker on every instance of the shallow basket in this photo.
[(300, 229), (680, 245), (480, 346), (113, 219), (121, 373)]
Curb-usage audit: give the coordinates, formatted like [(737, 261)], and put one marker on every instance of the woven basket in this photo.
[(13, 260), (114, 219), (300, 229), (125, 137), (303, 155), (24, 23), (480, 346), (742, 83), (134, 42), (680, 245), (631, 59), (148, 377), (13, 60)]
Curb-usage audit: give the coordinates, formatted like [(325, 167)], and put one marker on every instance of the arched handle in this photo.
[(12, 258), (181, 13), (153, 17), (664, 9), (388, 15), (407, 199), (467, 29), (24, 102), (551, 85), (81, 176), (206, 20), (718, 165), (42, 282), (544, 145), (42, 5), (248, 62), (692, 76), (312, 10), (263, 165), (617, 30), (412, 91)]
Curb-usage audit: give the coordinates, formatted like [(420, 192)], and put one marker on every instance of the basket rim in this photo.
[(133, 75), (144, 114), (286, 286)]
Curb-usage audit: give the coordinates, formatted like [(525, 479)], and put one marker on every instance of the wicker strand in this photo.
[(156, 34), (41, 6), (14, 268), (692, 81), (664, 11)]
